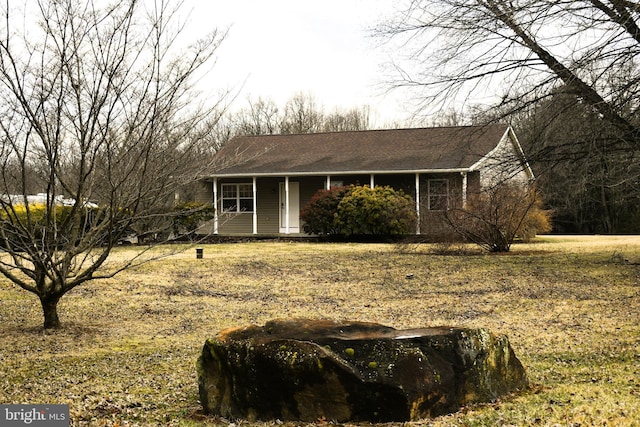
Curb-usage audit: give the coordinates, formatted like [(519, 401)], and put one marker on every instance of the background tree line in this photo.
[(300, 114)]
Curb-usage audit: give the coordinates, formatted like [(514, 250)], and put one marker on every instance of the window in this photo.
[(237, 197), (438, 196)]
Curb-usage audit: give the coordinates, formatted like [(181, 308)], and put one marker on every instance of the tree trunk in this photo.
[(50, 311)]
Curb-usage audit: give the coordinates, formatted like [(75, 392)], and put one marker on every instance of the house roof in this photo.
[(379, 151)]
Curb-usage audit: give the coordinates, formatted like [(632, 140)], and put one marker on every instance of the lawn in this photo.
[(125, 356)]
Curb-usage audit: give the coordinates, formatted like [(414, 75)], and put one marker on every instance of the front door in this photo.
[(294, 208)]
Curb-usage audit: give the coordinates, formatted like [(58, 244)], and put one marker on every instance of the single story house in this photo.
[(259, 184)]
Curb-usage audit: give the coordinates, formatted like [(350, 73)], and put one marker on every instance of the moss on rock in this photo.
[(352, 371)]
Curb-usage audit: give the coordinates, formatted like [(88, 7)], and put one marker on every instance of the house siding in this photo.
[(432, 222), (201, 192), (473, 182), (240, 223), (495, 168), (228, 223)]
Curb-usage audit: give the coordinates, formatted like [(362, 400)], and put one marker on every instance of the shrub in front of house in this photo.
[(188, 216), (319, 214), (359, 211), (378, 211), (498, 216)]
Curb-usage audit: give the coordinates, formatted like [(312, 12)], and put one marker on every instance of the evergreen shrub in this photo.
[(359, 211)]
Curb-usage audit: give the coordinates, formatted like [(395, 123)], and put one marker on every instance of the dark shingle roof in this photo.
[(359, 151)]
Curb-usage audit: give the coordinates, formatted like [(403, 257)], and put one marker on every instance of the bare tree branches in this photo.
[(98, 112), (520, 51), (300, 114), (563, 72)]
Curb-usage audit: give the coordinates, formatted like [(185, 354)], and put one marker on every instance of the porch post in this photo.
[(255, 206), (328, 182), (372, 181), (286, 204), (215, 205), (418, 203), (464, 189)]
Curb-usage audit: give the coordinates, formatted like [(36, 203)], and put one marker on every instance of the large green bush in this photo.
[(378, 211), (359, 211)]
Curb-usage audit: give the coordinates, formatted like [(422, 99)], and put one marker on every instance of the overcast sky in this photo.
[(278, 48)]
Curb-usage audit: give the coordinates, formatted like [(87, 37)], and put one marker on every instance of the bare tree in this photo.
[(300, 114), (93, 100), (261, 117), (353, 119), (519, 51), (496, 216)]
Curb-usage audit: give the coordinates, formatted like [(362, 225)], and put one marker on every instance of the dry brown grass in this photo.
[(126, 355)]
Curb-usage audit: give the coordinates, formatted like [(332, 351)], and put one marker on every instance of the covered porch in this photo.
[(271, 204)]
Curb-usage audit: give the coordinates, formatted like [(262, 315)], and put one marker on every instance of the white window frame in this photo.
[(437, 206), (237, 197)]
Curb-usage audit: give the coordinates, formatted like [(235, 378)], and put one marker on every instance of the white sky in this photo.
[(278, 48)]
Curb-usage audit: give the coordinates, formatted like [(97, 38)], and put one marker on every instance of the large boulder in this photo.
[(352, 371)]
